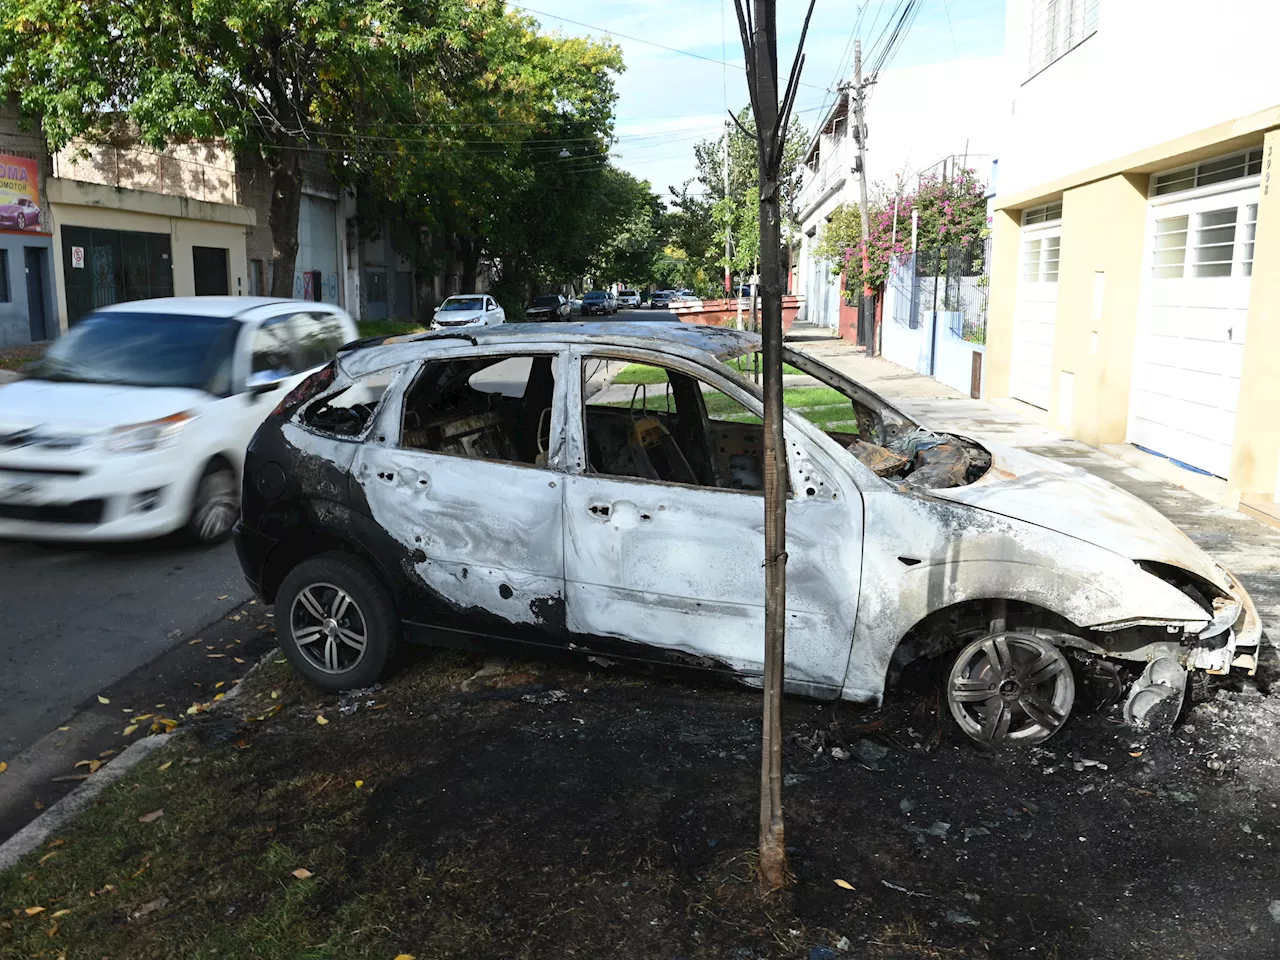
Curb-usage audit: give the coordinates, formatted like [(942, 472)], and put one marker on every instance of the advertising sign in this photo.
[(20, 195)]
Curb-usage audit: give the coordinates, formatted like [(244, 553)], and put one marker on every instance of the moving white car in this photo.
[(628, 298), (135, 423), (468, 310)]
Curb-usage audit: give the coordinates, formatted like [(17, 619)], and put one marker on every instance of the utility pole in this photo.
[(867, 313), (760, 52)]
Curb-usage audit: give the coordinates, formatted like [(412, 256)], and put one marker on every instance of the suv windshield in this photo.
[(596, 295), (546, 301), (144, 350), (463, 303), (626, 293)]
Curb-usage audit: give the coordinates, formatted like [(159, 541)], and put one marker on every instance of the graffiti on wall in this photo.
[(304, 286)]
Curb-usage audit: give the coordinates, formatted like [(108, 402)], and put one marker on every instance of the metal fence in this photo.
[(953, 281)]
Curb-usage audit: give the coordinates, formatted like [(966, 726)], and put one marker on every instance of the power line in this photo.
[(651, 43)]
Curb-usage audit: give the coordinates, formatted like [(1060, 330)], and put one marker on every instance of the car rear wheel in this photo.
[(1010, 688), (22, 221), (336, 622), (215, 506)]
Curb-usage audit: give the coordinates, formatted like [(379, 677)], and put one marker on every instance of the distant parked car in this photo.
[(468, 310), (21, 213), (660, 300), (598, 302), (628, 298), (134, 424), (550, 307)]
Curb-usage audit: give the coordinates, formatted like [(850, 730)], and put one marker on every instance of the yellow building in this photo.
[(1137, 231)]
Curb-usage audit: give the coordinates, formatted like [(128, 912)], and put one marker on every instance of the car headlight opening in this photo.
[(151, 435)]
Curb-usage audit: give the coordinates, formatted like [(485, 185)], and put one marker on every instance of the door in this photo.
[(1191, 326), (34, 266), (211, 271), (1035, 313), (463, 473), (664, 531)]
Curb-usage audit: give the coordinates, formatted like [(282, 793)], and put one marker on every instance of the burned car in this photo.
[(470, 488)]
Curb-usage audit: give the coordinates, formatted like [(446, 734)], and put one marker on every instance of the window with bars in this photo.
[(1235, 167), (1040, 260), (1250, 231), (1044, 214), (1215, 243), (1057, 27), (1170, 248)]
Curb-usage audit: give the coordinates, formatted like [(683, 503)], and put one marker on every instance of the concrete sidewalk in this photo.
[(1195, 503)]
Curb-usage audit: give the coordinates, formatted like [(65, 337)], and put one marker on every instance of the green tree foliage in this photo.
[(709, 157)]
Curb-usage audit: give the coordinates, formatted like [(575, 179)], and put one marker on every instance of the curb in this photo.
[(69, 807)]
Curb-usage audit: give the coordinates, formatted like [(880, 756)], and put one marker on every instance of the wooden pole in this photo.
[(760, 48)]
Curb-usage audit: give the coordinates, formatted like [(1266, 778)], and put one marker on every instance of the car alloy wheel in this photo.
[(328, 628), (22, 221), (216, 505), (1010, 687)]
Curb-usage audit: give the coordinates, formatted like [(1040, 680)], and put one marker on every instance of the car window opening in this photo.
[(462, 303), (676, 429), (347, 412), (487, 408)]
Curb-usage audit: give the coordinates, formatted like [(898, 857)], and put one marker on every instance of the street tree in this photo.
[(273, 79), (771, 109), (709, 160)]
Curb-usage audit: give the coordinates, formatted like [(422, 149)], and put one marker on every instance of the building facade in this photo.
[(1136, 236), (28, 309), (829, 181)]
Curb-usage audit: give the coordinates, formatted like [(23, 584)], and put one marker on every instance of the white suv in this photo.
[(135, 423), (628, 298)]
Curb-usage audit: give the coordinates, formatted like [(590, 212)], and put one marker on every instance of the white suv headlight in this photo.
[(152, 435)]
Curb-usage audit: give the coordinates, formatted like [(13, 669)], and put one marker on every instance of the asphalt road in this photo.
[(78, 618)]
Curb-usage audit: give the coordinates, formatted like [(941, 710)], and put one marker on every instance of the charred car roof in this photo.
[(376, 353)]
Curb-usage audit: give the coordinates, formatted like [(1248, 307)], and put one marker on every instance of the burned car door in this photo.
[(466, 478), (664, 530)]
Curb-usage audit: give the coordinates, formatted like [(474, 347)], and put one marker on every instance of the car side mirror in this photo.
[(264, 381)]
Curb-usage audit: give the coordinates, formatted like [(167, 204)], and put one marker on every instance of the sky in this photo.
[(929, 100)]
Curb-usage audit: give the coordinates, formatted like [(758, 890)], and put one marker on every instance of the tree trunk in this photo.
[(773, 855), (470, 255), (286, 197)]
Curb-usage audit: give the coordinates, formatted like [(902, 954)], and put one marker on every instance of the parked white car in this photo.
[(468, 310), (135, 423), (628, 298)]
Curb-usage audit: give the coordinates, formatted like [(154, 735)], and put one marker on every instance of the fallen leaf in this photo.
[(216, 656), (321, 720), (56, 843), (38, 805), (237, 660), (380, 706), (191, 643), (275, 694), (110, 888), (359, 784), (224, 596), (219, 684), (1138, 754), (105, 753), (32, 911), (301, 873), (159, 706), (404, 956), (218, 696), (165, 766), (844, 884), (242, 744), (49, 856), (130, 730), (60, 913), (152, 816), (64, 728), (261, 626), (52, 932), (3, 766), (165, 723), (279, 661), (145, 716), (70, 778), (102, 699)]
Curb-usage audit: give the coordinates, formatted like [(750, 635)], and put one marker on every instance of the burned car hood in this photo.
[(91, 405), (1072, 501)]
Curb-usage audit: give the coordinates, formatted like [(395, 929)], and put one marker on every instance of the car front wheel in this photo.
[(1010, 688), (336, 622), (215, 506)]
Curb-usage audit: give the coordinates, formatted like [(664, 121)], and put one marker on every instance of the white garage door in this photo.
[(1036, 305), (1191, 322)]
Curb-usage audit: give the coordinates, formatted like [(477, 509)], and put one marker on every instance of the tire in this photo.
[(215, 506), (322, 648), (22, 221)]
